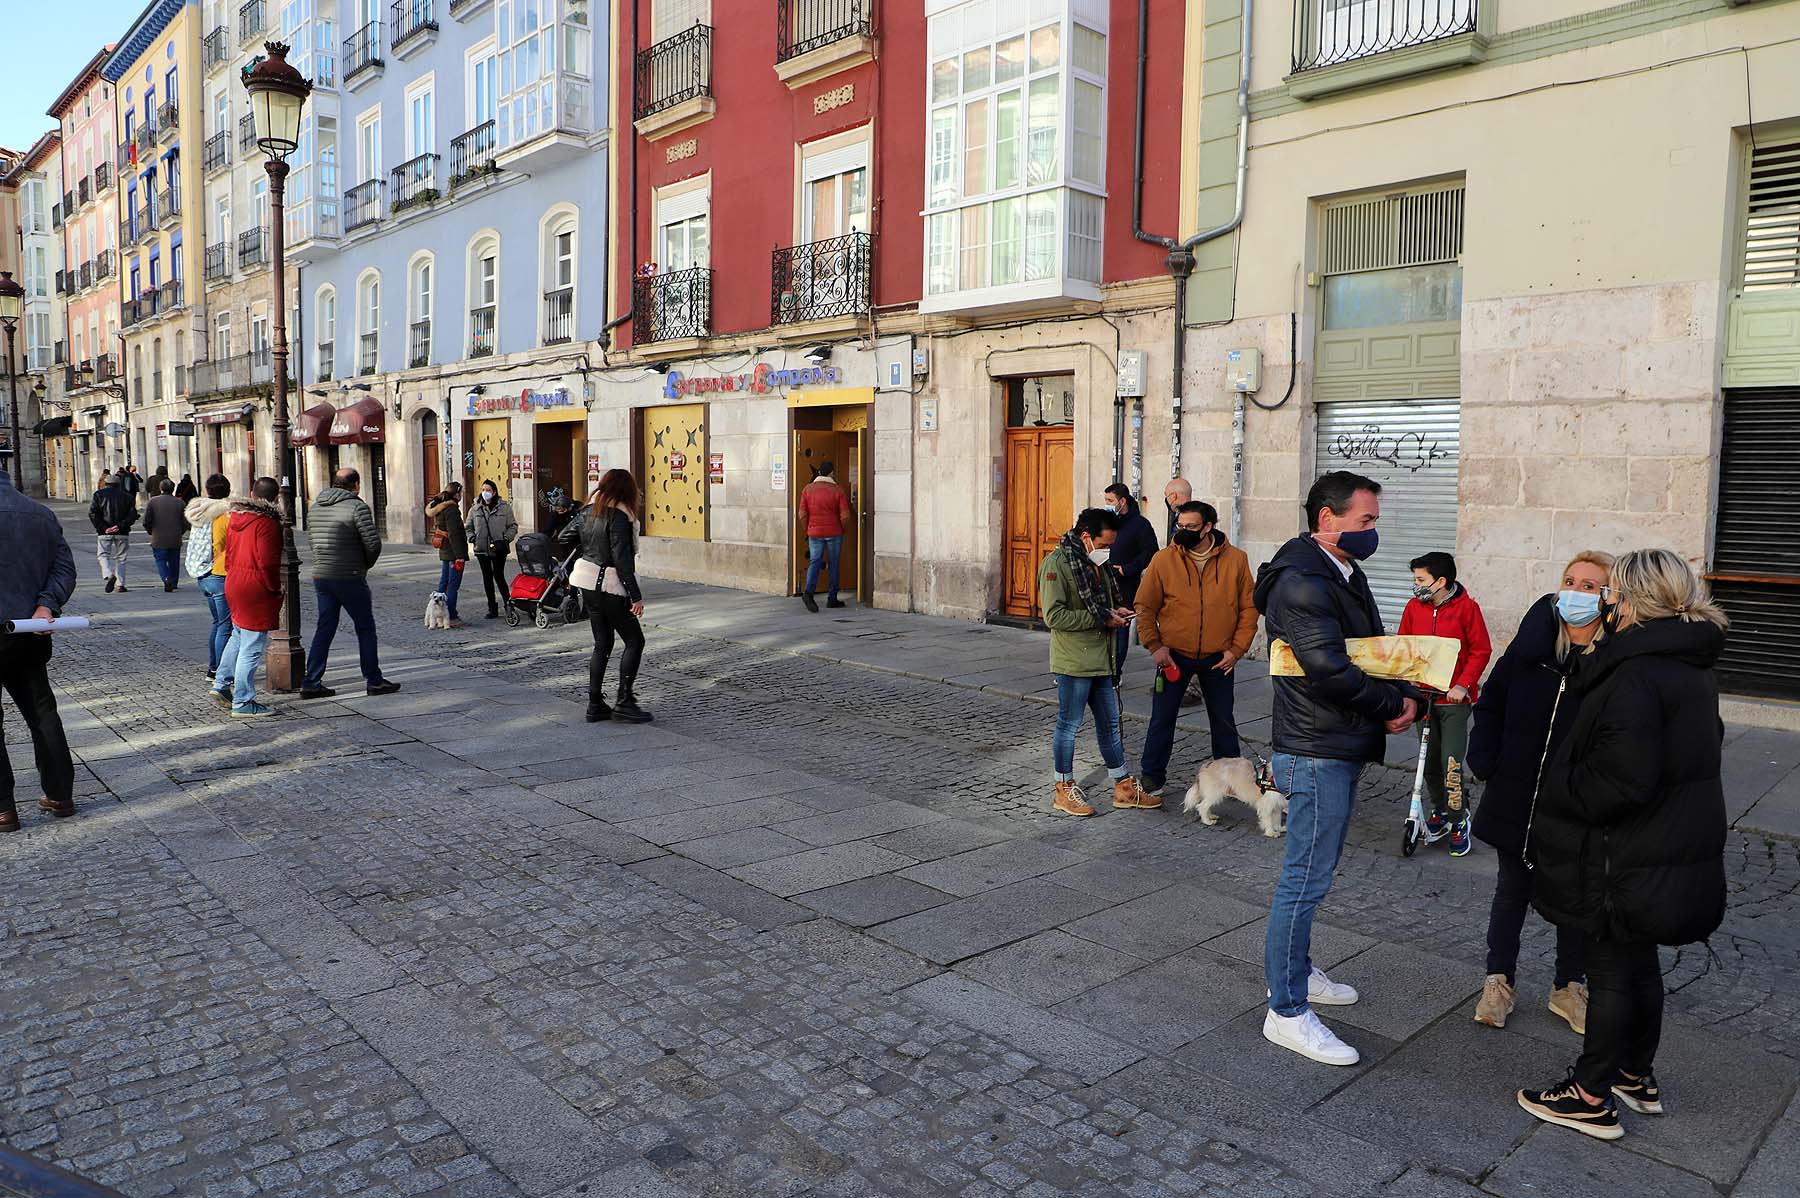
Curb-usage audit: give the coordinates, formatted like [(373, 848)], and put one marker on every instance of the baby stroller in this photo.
[(541, 588)]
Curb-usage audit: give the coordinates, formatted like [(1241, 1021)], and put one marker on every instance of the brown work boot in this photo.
[(61, 809), (1127, 793), (1069, 800)]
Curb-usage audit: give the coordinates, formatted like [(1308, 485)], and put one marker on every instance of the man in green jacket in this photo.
[(1082, 607), (345, 543)]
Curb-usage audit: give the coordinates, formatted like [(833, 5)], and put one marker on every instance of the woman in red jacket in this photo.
[(1442, 607), (253, 589)]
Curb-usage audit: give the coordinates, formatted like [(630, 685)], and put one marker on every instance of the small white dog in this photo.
[(437, 611), (1236, 778)]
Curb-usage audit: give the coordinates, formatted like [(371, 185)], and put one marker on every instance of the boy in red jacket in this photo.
[(253, 589), (1442, 607)]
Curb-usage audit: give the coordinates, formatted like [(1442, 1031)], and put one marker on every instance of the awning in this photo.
[(362, 423), (56, 426), (234, 415), (313, 425)]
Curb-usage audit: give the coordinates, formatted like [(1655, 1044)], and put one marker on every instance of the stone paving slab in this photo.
[(1163, 1006), (1059, 1043), (1166, 921), (816, 869), (1237, 1053), (1048, 968), (988, 920), (873, 900), (995, 865), (1557, 1161)]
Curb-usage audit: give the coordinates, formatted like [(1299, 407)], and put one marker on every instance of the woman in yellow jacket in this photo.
[(205, 560)]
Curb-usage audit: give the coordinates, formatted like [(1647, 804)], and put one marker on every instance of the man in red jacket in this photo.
[(1442, 607), (253, 590), (823, 509)]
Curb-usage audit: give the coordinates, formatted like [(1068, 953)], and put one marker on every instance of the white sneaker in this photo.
[(1304, 1034), (1325, 992)]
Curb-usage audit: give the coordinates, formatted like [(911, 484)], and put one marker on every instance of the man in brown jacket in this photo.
[(1194, 613)]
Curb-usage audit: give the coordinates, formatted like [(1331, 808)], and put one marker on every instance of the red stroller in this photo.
[(541, 588)]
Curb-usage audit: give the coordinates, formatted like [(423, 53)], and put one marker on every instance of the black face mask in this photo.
[(1188, 538)]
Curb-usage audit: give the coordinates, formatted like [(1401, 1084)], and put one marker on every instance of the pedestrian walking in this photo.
[(38, 579), (451, 537), (606, 530), (1629, 839), (1328, 724), (204, 561), (112, 513), (153, 484), (1081, 605), (493, 530), (132, 482), (1441, 606), (345, 543), (1195, 614), (823, 507), (1524, 713), (253, 589), (1130, 556), (185, 490), (165, 524)]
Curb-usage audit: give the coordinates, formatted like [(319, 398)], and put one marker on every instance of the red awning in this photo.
[(313, 424), (362, 423)]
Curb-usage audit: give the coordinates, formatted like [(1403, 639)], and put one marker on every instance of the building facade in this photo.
[(36, 180), (450, 240)]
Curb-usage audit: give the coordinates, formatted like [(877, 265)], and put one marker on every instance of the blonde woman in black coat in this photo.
[(1629, 838)]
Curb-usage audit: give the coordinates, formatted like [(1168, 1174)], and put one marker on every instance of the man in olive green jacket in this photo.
[(1081, 605), (345, 543)]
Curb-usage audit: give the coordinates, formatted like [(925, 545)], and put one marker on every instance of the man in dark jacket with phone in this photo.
[(1328, 724), (345, 543)]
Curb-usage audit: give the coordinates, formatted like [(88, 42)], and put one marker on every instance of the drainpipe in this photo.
[(1180, 262), (631, 299)]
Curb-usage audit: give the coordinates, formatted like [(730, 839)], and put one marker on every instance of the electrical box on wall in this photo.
[(1131, 373), (1243, 367), (921, 362)]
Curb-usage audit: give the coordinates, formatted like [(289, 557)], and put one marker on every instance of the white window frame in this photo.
[(422, 88), (420, 301), (560, 219), (368, 316), (483, 244), (325, 328), (479, 56), (827, 157), (222, 335), (370, 117), (670, 17)]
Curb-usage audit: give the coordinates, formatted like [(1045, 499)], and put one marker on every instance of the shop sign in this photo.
[(162, 436), (181, 428), (761, 380), (524, 401), (226, 416), (715, 467)]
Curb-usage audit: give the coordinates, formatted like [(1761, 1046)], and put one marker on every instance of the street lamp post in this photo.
[(12, 306), (277, 94)]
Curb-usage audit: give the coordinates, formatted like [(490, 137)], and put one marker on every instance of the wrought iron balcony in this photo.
[(103, 178), (233, 372), (218, 262), (103, 265), (675, 69), (253, 18), (1328, 32), (68, 204), (481, 332), (368, 348), (86, 275), (168, 207), (362, 50), (672, 306), (217, 151), (124, 162), (327, 361), (56, 215), (362, 205), (821, 280), (133, 223), (415, 182), (167, 124), (253, 248), (411, 18), (62, 282), (472, 154), (171, 295), (246, 132), (81, 191), (459, 7), (215, 48), (418, 351), (146, 135), (803, 25), (559, 315)]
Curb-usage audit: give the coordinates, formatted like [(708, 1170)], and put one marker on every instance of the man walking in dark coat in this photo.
[(112, 513), (164, 522), (345, 543), (38, 578)]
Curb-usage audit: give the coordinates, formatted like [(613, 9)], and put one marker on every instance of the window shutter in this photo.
[(1414, 228), (1772, 218)]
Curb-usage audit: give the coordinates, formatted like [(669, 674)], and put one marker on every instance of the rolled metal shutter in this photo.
[(1756, 542), (1412, 447)]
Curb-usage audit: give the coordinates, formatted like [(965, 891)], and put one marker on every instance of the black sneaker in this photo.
[(835, 603), (812, 604), (316, 692), (384, 687), (110, 584), (1564, 1106), (1641, 1094)]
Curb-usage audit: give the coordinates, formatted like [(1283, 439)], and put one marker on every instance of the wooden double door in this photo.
[(1040, 507)]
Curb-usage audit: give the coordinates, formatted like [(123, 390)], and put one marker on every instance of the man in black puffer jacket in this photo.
[(1328, 724)]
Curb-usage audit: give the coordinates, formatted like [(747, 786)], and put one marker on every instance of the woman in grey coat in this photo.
[(492, 530)]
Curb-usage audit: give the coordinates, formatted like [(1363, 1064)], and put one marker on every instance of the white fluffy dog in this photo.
[(1236, 778), (437, 611)]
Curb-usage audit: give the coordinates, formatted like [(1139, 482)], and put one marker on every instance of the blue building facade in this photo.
[(447, 236)]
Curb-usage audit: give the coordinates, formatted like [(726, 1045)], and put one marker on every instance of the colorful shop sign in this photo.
[(522, 401), (760, 380)]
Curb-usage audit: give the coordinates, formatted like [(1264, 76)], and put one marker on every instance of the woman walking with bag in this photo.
[(1629, 839), (607, 571), (493, 529), (451, 539)]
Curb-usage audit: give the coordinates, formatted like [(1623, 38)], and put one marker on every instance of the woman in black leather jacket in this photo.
[(607, 532)]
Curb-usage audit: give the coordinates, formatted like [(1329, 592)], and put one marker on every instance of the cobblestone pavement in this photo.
[(812, 932)]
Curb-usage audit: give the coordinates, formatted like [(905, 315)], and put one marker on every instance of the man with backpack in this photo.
[(112, 513), (345, 543), (204, 561)]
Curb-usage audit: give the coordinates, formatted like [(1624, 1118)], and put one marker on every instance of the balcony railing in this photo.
[(481, 332), (411, 18), (217, 151), (146, 136), (1327, 32), (672, 306), (166, 120), (56, 215), (327, 361), (103, 266), (472, 154), (218, 261), (802, 25), (367, 348), (86, 275), (124, 157), (415, 182), (103, 178), (559, 315), (362, 205), (675, 69), (214, 48), (168, 207), (418, 352), (253, 248), (253, 18), (246, 132), (68, 204), (232, 372), (171, 295), (820, 280), (62, 282), (134, 226), (81, 191), (458, 7), (362, 49)]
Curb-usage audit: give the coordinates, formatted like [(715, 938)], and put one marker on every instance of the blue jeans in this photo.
[(238, 664), (450, 582), (336, 595), (213, 587), (1321, 796), (1097, 695), (168, 565), (821, 551), (1165, 709)]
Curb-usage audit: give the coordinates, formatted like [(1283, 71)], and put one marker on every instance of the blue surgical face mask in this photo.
[(1578, 608), (1360, 544)]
